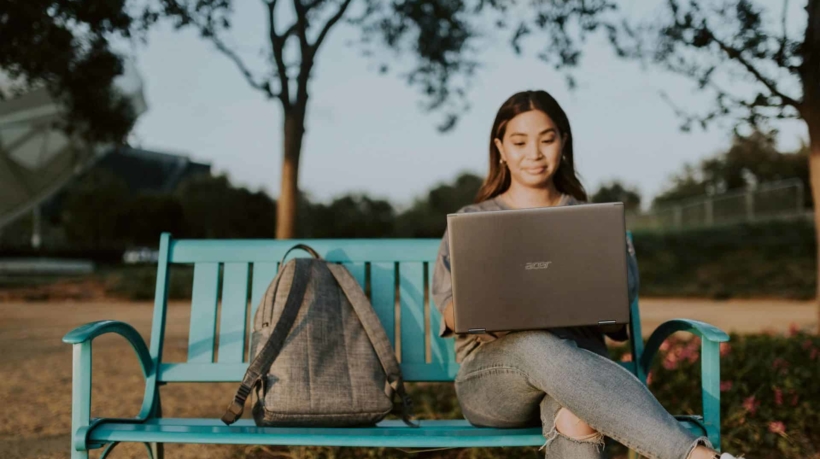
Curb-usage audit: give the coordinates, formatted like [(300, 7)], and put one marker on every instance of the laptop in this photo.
[(538, 268)]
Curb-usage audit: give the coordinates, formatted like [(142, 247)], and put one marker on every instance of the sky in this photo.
[(366, 132)]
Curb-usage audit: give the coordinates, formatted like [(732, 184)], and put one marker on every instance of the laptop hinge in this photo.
[(476, 331), (606, 322)]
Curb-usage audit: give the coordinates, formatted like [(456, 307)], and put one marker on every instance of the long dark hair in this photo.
[(498, 179)]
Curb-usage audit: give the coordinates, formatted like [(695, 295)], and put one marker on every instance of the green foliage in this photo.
[(686, 184), (213, 208), (428, 217), (64, 46), (101, 212), (151, 214), (763, 259), (769, 390), (352, 216), (95, 210), (617, 192), (751, 159), (139, 283)]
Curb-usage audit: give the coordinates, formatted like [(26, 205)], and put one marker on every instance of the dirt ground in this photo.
[(35, 368)]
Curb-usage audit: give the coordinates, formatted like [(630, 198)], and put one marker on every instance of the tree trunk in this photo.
[(814, 179), (809, 109), (286, 206)]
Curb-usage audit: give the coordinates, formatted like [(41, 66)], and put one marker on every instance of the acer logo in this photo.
[(537, 265)]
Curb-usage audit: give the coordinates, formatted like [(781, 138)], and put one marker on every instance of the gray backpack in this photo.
[(320, 357)]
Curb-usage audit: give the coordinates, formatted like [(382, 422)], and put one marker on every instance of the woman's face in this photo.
[(532, 148)]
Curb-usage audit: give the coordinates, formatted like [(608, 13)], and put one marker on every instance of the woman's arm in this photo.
[(442, 289), (619, 332)]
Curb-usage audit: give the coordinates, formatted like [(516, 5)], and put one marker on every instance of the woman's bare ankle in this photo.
[(702, 452)]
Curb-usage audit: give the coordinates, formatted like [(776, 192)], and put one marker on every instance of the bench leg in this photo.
[(157, 449), (80, 396)]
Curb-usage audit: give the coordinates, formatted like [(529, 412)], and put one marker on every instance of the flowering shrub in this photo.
[(770, 401), (770, 390)]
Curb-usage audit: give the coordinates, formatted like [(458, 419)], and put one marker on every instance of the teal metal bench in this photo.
[(247, 267)]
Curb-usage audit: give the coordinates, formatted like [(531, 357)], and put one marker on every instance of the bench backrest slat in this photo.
[(265, 250), (411, 303), (233, 316), (202, 331), (383, 296), (263, 274), (357, 270), (441, 350)]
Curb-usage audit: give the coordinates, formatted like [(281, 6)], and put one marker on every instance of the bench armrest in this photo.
[(81, 339), (89, 331), (705, 331), (711, 337)]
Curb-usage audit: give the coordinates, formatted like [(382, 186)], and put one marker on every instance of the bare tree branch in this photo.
[(785, 37), (761, 101), (291, 30), (302, 25), (732, 107), (263, 86), (736, 55), (785, 47), (330, 23), (277, 44), (310, 5), (208, 31)]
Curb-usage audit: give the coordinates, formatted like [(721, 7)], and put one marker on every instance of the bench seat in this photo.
[(388, 433)]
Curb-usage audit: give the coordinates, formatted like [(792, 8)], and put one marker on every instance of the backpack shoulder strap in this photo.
[(263, 360), (375, 332)]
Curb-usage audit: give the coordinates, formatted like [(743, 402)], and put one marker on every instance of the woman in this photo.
[(562, 378)]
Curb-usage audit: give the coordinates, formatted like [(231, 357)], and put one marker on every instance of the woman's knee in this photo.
[(569, 425), (572, 437)]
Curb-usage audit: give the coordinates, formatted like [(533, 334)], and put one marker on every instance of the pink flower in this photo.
[(649, 378), (689, 353), (670, 362), (780, 364), (814, 353), (750, 404), (626, 357), (807, 344), (793, 329), (725, 385), (795, 399), (725, 349), (777, 427), (778, 396), (693, 357)]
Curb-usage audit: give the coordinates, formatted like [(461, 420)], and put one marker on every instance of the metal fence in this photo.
[(773, 200)]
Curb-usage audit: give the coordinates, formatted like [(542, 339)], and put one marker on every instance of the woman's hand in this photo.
[(449, 316)]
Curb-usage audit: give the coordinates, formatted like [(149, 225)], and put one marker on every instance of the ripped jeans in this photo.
[(524, 378)]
